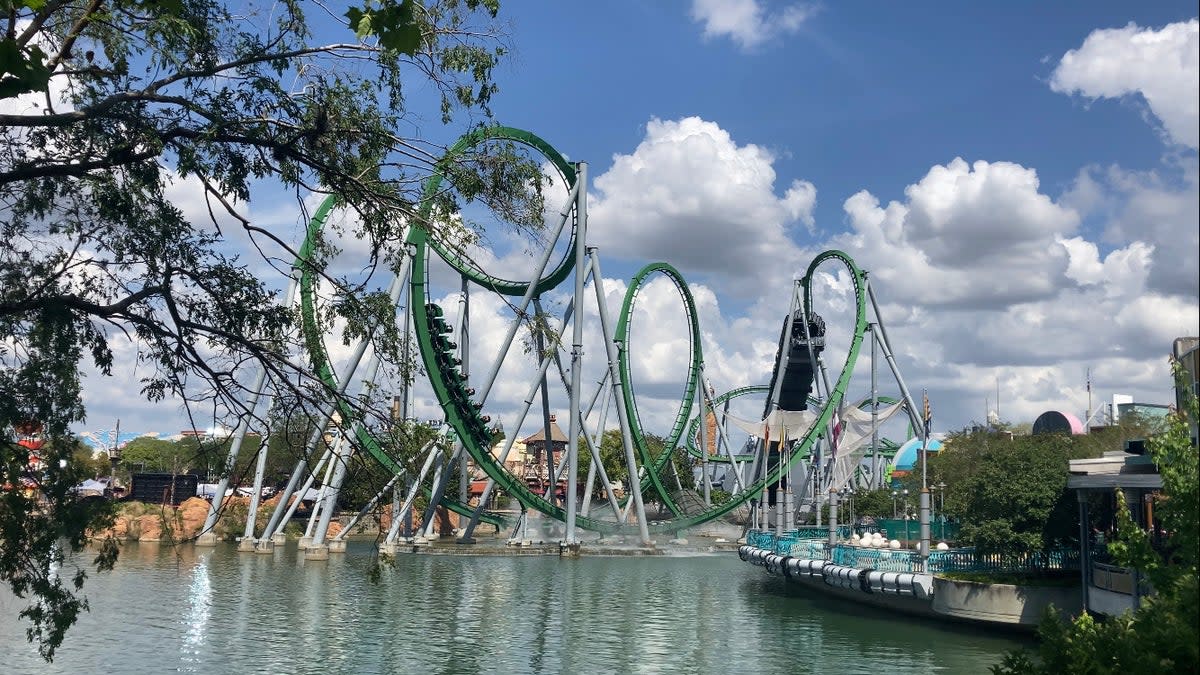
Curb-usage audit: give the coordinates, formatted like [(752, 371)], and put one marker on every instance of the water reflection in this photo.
[(195, 619), (226, 612)]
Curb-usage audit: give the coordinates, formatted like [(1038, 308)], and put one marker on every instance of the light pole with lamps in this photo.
[(905, 493), (895, 494)]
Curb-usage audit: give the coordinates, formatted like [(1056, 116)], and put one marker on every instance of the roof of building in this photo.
[(1114, 469), (539, 436)]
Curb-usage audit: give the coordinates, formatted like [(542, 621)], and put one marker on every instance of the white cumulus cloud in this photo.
[(978, 234), (749, 23), (1161, 65), (690, 195)]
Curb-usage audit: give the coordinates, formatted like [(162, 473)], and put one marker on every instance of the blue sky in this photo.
[(860, 96), (871, 97), (1020, 179)]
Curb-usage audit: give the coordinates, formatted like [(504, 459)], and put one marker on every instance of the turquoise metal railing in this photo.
[(910, 530), (967, 560), (887, 560), (793, 543), (761, 538), (810, 549)]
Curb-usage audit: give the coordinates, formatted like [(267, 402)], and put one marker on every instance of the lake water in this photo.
[(186, 609)]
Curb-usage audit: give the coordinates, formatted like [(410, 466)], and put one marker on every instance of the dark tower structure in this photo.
[(797, 379)]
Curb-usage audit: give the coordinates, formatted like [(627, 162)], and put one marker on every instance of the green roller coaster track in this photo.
[(320, 358), (463, 416), (695, 366), (493, 283)]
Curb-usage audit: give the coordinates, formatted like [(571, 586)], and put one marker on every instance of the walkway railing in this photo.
[(910, 530), (967, 560), (792, 544)]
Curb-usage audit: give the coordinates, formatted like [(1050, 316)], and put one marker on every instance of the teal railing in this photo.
[(910, 530), (967, 560), (886, 560), (810, 549), (793, 543), (761, 539)]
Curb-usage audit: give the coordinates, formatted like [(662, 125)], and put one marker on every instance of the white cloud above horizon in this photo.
[(990, 274), (1162, 66), (690, 195), (749, 23)]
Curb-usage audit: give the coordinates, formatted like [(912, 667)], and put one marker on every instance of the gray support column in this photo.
[(406, 509), (207, 537), (876, 475), (723, 438), (277, 519), (593, 445), (576, 425), (547, 439), (394, 290), (369, 505), (319, 504), (439, 490), (924, 529), (395, 509), (341, 460), (1085, 549), (286, 510), (885, 345), (588, 485), (527, 403), (614, 375), (523, 304), (260, 469), (833, 519)]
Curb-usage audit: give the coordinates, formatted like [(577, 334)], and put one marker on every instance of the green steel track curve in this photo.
[(458, 414), (493, 283), (320, 358), (695, 366)]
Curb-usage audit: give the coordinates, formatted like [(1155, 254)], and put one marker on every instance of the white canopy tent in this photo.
[(853, 430)]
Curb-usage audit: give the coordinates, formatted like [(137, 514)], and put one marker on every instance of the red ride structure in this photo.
[(29, 436)]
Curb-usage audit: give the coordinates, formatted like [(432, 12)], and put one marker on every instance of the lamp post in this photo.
[(905, 493), (851, 495), (941, 488), (847, 493), (895, 494)]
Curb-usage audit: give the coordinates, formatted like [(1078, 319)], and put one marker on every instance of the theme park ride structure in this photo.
[(468, 431)]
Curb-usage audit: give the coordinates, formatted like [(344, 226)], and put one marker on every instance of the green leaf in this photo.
[(394, 24), (21, 72)]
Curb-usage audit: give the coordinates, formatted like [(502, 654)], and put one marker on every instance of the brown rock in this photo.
[(149, 527), (191, 516)]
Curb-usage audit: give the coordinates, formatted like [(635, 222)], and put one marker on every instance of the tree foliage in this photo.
[(1009, 491), (874, 503), (612, 456), (109, 113), (1163, 634)]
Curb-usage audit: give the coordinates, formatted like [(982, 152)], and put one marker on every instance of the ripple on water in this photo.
[(215, 611)]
